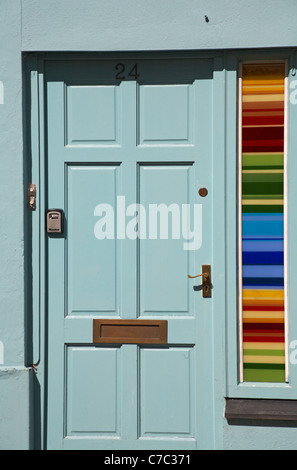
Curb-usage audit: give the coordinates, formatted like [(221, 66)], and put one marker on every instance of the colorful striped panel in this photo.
[(262, 152)]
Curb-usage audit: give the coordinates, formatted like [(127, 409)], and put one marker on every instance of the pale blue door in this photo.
[(120, 133)]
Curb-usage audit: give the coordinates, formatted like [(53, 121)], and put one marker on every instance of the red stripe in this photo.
[(263, 110), (264, 339), (267, 327), (262, 308), (263, 133), (262, 120), (265, 148)]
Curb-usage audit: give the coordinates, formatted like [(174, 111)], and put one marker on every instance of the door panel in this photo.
[(125, 160), (92, 281), (167, 404), (166, 114), (85, 390), (164, 287)]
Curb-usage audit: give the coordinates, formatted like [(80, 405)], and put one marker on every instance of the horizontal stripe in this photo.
[(263, 217), (262, 133), (262, 160), (263, 90), (262, 246), (263, 271), (261, 257), (254, 208), (266, 120), (252, 81), (256, 313), (264, 359), (265, 346), (264, 373), (264, 146), (263, 113), (261, 338), (263, 319), (264, 189), (263, 106), (264, 352), (254, 176), (263, 171), (262, 282), (262, 301), (263, 309), (262, 228), (279, 97), (262, 202)]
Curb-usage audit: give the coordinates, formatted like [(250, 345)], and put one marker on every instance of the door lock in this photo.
[(206, 280)]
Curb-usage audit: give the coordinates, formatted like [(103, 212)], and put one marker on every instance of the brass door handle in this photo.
[(205, 275), (206, 280)]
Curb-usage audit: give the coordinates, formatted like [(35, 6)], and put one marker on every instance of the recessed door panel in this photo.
[(167, 392), (92, 262), (165, 193), (93, 399), (92, 115)]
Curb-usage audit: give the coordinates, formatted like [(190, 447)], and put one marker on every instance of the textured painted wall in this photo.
[(154, 24), (14, 377)]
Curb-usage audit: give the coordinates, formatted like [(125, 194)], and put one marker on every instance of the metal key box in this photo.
[(54, 221)]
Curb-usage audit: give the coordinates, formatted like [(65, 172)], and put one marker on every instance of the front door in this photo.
[(130, 335)]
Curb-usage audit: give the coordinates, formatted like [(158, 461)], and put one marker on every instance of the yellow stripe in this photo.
[(264, 359), (263, 320), (276, 346), (262, 171), (262, 202), (254, 98), (262, 89), (264, 293), (261, 314), (263, 297), (253, 82)]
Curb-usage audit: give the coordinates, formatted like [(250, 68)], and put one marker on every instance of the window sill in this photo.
[(260, 409)]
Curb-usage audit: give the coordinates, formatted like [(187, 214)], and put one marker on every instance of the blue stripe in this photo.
[(263, 245), (263, 282), (264, 257), (262, 271), (262, 228), (263, 217)]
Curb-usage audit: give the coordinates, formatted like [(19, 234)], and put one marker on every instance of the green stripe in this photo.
[(271, 161), (263, 188), (259, 208), (264, 352), (264, 196), (262, 178), (262, 167), (264, 373)]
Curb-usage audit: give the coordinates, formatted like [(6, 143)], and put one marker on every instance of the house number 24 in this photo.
[(123, 74)]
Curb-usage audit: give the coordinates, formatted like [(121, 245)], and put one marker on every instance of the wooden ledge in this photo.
[(260, 409)]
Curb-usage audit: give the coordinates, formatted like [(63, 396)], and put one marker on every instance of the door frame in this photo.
[(34, 66)]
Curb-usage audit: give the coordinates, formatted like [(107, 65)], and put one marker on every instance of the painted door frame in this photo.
[(223, 222)]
